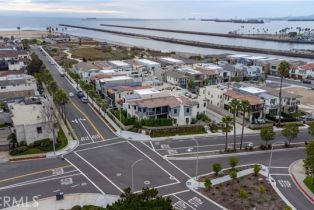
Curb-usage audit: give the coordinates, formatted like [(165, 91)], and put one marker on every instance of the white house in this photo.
[(303, 71), (123, 66), (28, 122), (17, 86), (150, 65), (171, 61), (85, 70)]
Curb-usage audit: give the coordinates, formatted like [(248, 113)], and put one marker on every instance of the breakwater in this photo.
[(202, 44), (236, 36)]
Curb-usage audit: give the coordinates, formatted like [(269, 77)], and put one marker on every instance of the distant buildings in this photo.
[(303, 71), (13, 60)]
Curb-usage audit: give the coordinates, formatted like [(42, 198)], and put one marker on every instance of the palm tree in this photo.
[(226, 128), (283, 71), (234, 107), (61, 99), (245, 108), (19, 29)]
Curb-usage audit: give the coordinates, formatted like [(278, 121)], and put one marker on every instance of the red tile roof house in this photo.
[(302, 71), (257, 104)]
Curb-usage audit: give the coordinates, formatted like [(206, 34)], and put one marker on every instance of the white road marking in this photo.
[(151, 159), (151, 143), (192, 147), (106, 145), (170, 162), (184, 202), (66, 181), (100, 141), (35, 182), (284, 183), (86, 131), (176, 193), (56, 191), (195, 201), (102, 192), (91, 165), (280, 174)]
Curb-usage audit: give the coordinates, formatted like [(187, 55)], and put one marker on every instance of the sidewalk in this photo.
[(69, 201), (297, 172)]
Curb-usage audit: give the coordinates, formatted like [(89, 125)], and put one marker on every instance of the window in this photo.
[(204, 104), (273, 67), (129, 106), (187, 110), (175, 111), (3, 87), (39, 130)]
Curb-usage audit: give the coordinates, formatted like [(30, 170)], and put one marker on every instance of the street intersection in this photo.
[(105, 163)]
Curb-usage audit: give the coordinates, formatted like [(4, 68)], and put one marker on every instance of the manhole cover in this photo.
[(146, 182)]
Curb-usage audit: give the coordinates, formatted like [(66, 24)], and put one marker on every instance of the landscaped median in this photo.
[(243, 187)]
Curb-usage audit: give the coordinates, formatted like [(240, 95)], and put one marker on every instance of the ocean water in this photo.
[(10, 23)]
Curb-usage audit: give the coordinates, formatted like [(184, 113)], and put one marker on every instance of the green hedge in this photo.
[(124, 119), (177, 131), (309, 182), (157, 122), (41, 146)]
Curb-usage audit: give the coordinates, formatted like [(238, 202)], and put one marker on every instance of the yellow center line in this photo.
[(33, 173), (92, 124)]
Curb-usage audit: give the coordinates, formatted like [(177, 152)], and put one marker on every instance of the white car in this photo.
[(71, 94)]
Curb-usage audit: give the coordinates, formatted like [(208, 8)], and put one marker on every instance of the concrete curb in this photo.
[(297, 183)]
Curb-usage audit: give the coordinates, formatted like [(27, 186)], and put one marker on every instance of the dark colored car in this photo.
[(307, 81), (80, 94)]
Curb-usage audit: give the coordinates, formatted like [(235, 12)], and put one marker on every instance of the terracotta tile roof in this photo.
[(170, 101), (254, 100), (307, 67)]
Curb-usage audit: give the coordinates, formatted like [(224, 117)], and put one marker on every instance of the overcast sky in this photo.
[(158, 8)]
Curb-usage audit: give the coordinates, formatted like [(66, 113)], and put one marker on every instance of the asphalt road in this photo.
[(102, 163)]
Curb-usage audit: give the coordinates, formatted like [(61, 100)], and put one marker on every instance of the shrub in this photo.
[(77, 207), (243, 193), (157, 122), (18, 150), (217, 168), (233, 174), (177, 131), (256, 168), (208, 184), (233, 162), (262, 189)]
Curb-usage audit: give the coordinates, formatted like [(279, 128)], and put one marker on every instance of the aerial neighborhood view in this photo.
[(157, 105)]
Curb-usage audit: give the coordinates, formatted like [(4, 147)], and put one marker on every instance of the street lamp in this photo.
[(271, 157), (196, 170), (120, 122), (132, 172)]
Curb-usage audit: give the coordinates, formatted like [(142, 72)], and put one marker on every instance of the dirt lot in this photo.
[(228, 194), (307, 99), (27, 34)]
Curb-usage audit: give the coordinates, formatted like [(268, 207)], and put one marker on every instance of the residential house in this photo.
[(274, 66), (105, 83), (303, 71), (257, 104), (28, 122), (211, 72), (153, 104), (121, 65), (165, 61), (150, 65), (17, 86), (85, 70), (176, 78)]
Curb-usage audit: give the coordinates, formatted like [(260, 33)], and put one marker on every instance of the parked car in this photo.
[(84, 99), (307, 81), (80, 94)]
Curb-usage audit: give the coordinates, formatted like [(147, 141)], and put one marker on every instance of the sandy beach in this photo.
[(25, 34)]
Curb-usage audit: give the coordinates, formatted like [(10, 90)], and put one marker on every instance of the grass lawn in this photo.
[(31, 151), (94, 53), (308, 181)]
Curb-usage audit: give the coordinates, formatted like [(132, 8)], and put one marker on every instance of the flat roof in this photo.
[(119, 63), (255, 57), (252, 90), (26, 114), (146, 91), (268, 59), (238, 56), (172, 60), (189, 70), (104, 71), (117, 78), (148, 62)]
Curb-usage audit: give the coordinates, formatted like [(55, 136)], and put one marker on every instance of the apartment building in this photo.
[(17, 86)]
